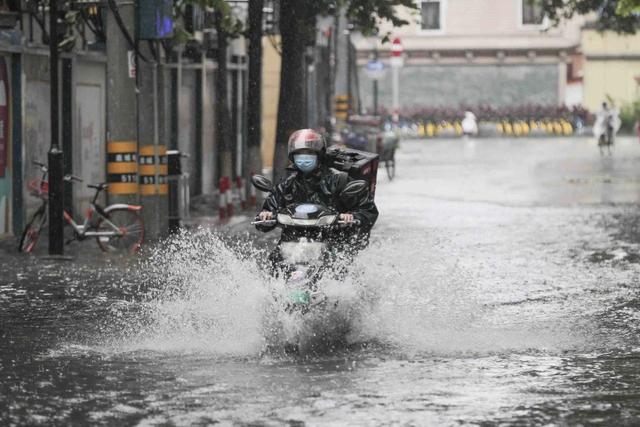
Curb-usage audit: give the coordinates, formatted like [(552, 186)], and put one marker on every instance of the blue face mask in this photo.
[(305, 162)]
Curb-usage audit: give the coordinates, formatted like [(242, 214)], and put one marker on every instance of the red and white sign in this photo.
[(396, 47), (131, 59), (4, 116), (396, 53)]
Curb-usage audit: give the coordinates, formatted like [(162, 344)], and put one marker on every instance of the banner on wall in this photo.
[(4, 116)]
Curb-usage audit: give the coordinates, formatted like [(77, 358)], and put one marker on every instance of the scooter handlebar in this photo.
[(345, 223), (264, 222), (274, 222)]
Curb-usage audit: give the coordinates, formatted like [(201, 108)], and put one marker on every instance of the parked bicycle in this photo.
[(116, 228)]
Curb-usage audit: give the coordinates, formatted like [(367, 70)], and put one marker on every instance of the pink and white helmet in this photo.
[(306, 141)]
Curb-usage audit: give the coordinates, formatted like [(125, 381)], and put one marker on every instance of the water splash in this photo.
[(204, 296), (209, 294)]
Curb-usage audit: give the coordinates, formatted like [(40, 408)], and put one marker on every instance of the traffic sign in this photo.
[(396, 53), (375, 69), (396, 47)]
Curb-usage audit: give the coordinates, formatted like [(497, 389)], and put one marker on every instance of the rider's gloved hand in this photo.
[(265, 216), (346, 217)]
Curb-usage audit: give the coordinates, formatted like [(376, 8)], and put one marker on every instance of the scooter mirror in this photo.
[(262, 183), (354, 192)]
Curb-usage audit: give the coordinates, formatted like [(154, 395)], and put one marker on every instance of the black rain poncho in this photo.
[(322, 186)]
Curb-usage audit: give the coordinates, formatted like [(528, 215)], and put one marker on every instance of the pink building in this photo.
[(498, 52)]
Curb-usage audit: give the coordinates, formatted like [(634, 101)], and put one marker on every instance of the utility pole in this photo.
[(347, 36), (56, 157), (152, 166), (223, 120), (154, 22), (122, 141), (342, 68), (254, 108), (375, 85), (396, 63)]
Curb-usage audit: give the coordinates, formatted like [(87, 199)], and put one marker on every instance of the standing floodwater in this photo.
[(501, 285)]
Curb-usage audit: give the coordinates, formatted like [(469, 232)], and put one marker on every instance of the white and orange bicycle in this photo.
[(116, 228)]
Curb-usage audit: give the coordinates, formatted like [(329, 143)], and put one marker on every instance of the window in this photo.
[(532, 12), (431, 15)]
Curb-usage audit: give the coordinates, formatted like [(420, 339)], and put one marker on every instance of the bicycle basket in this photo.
[(38, 188)]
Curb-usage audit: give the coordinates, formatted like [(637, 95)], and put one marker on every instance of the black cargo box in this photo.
[(358, 164)]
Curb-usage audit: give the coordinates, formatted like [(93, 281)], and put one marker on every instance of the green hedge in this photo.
[(629, 115)]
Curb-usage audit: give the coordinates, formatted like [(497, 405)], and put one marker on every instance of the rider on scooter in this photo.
[(310, 180)]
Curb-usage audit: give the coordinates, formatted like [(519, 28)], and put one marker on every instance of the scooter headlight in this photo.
[(326, 220)]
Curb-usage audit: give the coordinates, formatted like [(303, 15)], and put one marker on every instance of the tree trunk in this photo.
[(223, 120), (291, 103), (254, 96)]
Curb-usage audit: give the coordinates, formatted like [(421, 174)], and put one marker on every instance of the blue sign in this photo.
[(375, 65), (155, 19), (375, 69)]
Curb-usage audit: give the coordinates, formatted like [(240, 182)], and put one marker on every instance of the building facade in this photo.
[(152, 100), (611, 68), (494, 52)]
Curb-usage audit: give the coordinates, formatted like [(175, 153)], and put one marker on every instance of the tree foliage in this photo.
[(366, 15), (630, 115), (622, 16), (298, 31), (228, 22), (628, 7)]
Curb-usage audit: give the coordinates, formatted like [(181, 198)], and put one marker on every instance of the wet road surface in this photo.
[(501, 286)]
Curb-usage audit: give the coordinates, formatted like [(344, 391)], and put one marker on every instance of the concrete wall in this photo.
[(452, 85), (613, 78), (89, 132), (612, 62), (36, 122), (187, 124)]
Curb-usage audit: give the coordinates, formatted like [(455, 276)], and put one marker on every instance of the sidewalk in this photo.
[(204, 213), (238, 226)]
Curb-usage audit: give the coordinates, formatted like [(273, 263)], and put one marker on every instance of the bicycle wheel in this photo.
[(31, 232), (390, 166), (129, 224)]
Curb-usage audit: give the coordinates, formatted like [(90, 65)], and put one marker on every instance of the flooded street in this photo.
[(502, 285)]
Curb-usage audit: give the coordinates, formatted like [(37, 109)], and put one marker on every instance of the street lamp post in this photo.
[(55, 158)]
